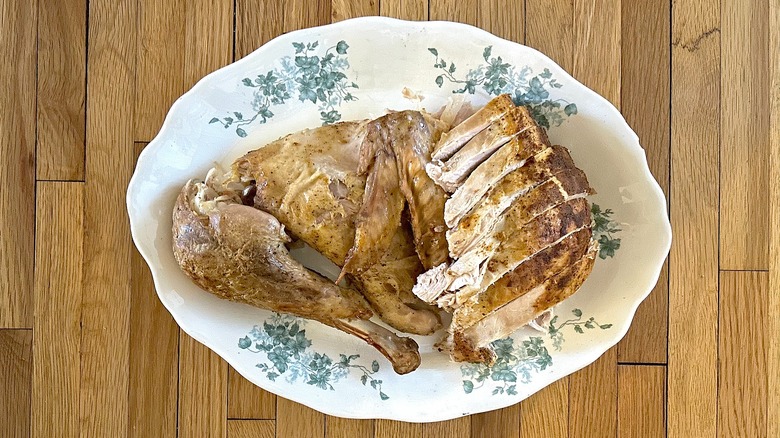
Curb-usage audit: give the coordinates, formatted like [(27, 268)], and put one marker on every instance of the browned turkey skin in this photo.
[(485, 219)]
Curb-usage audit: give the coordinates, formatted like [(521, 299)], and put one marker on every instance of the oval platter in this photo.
[(361, 68)]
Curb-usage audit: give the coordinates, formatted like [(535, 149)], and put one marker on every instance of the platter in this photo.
[(358, 69)]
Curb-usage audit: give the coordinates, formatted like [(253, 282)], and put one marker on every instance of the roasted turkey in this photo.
[(475, 213)]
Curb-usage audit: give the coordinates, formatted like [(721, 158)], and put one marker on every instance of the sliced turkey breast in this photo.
[(450, 174), (511, 156), (470, 344), (452, 140)]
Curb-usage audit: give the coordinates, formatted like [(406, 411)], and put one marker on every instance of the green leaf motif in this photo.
[(282, 339), (517, 362), (604, 230), (310, 74), (496, 76)]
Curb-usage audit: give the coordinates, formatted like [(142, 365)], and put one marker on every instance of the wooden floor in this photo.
[(85, 84)]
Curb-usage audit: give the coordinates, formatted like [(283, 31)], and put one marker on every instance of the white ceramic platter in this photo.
[(357, 69)]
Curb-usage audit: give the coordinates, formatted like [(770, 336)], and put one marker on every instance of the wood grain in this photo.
[(773, 306), (300, 14), (202, 374), (548, 27), (645, 102), (57, 327), (505, 19), (105, 311), (344, 9), (454, 10), (294, 420), (18, 22), (546, 413), (15, 382), (596, 63), (251, 429), (693, 262), (744, 135), (404, 9), (742, 335), (641, 401), (336, 427), (246, 400), (154, 360), (250, 36), (457, 428), (62, 94), (202, 390), (209, 39), (160, 63), (501, 423)]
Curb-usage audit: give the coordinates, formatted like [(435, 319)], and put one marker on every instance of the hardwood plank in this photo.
[(593, 398), (744, 135), (18, 23), (459, 427), (15, 382), (154, 360), (404, 9), (773, 307), (61, 89), (596, 54), (57, 327), (202, 390), (209, 39), (250, 36), (344, 9), (246, 400), (742, 382), (546, 413), (502, 18), (596, 62), (294, 420), (105, 310), (549, 29), (203, 374), (160, 62), (62, 37), (641, 401), (300, 14), (455, 10), (251, 429), (693, 266), (336, 427), (645, 98), (501, 423)]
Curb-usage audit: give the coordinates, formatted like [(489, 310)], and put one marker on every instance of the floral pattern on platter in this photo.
[(604, 228), (519, 362), (283, 340), (318, 78), (496, 77)]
